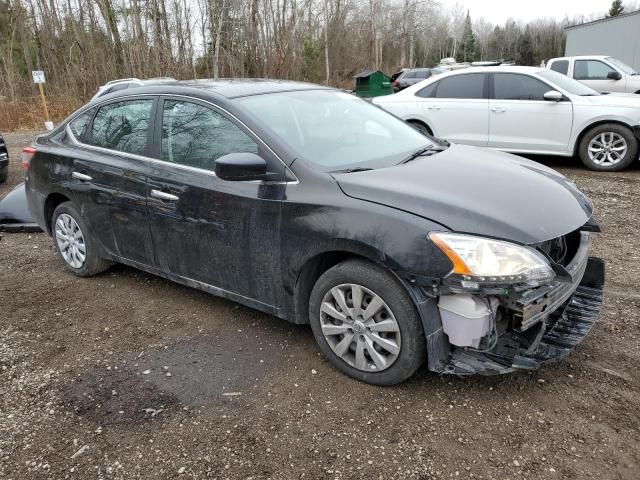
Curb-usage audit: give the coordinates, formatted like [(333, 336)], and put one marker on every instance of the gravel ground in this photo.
[(126, 375)]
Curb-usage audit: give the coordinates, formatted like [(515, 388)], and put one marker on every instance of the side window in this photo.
[(423, 74), (470, 85), (122, 126), (591, 70), (511, 86), (560, 66), (429, 91), (80, 124), (409, 75), (196, 136)]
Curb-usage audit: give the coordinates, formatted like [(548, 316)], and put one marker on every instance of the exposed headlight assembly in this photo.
[(480, 262)]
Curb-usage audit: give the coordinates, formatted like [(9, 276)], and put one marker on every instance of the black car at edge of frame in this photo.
[(312, 205)]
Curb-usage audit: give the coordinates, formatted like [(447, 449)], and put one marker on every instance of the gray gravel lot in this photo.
[(126, 375)]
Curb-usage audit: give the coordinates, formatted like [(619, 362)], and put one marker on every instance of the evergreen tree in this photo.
[(617, 8), (468, 44), (525, 48)]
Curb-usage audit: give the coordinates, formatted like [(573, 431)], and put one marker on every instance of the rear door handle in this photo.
[(433, 107), (81, 176), (164, 196), (498, 110)]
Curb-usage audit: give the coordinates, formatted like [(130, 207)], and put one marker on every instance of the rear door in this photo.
[(108, 175), (457, 108), (593, 73), (521, 119), (221, 233)]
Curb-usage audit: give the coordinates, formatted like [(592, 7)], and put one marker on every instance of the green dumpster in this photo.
[(373, 83)]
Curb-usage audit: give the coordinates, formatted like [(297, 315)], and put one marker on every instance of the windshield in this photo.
[(622, 66), (568, 84), (335, 130)]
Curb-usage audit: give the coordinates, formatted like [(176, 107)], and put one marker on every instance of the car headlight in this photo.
[(479, 262)]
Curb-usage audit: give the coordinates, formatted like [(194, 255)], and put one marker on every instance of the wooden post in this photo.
[(44, 102)]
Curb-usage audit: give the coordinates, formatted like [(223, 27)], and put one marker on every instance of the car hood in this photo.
[(477, 191)]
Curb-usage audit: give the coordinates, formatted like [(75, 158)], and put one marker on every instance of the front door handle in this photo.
[(433, 107), (164, 196), (498, 110), (81, 176)]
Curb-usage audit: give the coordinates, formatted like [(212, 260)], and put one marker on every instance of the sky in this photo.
[(497, 11)]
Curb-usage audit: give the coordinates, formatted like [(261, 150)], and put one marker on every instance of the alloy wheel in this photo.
[(607, 149), (360, 327), (70, 241)]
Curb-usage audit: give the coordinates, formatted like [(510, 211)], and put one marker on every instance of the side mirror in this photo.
[(614, 75), (240, 166), (553, 96)]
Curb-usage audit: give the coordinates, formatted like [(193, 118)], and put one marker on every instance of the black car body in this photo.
[(4, 160), (264, 225)]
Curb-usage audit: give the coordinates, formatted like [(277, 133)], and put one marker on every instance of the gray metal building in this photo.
[(618, 37)]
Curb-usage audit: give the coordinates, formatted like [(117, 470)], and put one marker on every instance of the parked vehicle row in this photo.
[(317, 207), (524, 110)]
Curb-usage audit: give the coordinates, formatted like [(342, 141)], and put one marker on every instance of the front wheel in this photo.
[(366, 324), (609, 147)]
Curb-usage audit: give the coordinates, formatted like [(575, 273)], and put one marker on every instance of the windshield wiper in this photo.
[(352, 170), (424, 152)]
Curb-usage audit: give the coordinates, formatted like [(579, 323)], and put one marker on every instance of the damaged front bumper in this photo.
[(537, 325), (553, 339)]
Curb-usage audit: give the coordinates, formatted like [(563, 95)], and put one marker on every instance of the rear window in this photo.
[(560, 66), (429, 91), (468, 86), (79, 125), (122, 126)]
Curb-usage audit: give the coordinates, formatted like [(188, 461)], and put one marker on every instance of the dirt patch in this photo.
[(290, 414)]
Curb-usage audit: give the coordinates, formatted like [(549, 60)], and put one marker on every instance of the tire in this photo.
[(397, 307), (421, 127), (605, 141), (3, 175), (62, 223)]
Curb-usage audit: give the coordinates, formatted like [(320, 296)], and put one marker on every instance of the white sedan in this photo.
[(524, 110)]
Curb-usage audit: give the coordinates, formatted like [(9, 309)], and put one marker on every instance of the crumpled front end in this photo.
[(499, 330)]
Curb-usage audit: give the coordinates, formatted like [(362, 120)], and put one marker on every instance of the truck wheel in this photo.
[(366, 324), (73, 243), (609, 147)]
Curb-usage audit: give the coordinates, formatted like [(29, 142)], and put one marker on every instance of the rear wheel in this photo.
[(609, 147), (3, 175), (366, 324), (73, 243)]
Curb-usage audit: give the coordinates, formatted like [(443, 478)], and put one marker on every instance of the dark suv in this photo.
[(412, 76), (314, 206)]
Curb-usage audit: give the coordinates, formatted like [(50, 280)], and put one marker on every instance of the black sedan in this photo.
[(314, 206)]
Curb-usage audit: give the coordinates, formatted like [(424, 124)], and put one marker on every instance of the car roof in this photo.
[(497, 68), (581, 57), (227, 87)]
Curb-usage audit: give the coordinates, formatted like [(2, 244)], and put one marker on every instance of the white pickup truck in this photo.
[(602, 73)]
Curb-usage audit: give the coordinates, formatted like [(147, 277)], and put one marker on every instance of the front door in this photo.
[(221, 233), (521, 119), (108, 177), (593, 73)]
